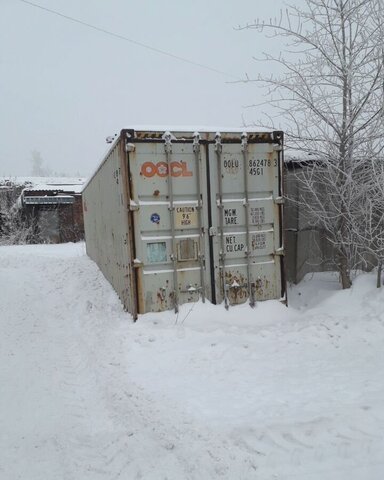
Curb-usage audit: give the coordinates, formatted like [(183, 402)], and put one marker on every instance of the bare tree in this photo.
[(368, 231), (330, 103)]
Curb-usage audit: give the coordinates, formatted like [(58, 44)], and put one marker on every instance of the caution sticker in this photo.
[(186, 217)]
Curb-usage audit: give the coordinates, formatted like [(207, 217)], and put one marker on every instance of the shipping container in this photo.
[(171, 217)]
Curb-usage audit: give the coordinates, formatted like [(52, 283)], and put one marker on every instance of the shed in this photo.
[(56, 210)]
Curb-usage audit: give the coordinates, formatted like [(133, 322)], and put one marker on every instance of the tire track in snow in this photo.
[(141, 438)]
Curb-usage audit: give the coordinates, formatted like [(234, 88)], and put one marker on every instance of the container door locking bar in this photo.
[(201, 255), (220, 205), (168, 153), (244, 149)]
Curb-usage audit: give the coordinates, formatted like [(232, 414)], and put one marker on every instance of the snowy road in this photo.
[(273, 393)]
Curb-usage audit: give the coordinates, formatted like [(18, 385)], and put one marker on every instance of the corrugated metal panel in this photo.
[(167, 185), (106, 224), (245, 192), (49, 200), (171, 217)]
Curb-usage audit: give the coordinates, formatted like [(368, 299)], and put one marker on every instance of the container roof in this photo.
[(194, 128)]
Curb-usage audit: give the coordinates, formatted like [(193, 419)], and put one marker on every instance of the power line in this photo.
[(130, 40)]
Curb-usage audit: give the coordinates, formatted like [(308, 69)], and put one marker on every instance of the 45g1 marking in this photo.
[(257, 165)]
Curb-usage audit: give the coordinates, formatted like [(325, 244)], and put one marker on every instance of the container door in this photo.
[(246, 219), (168, 200)]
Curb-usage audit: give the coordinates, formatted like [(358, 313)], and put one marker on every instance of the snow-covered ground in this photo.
[(270, 393)]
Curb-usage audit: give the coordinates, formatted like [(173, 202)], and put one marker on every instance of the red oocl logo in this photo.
[(178, 169)]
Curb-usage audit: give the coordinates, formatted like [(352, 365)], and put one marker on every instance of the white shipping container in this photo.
[(172, 217)]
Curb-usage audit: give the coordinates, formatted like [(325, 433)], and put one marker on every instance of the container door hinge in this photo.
[(235, 285), (196, 142), (279, 251), (212, 231), (133, 206), (279, 200), (277, 148), (191, 289), (137, 263), (130, 147)]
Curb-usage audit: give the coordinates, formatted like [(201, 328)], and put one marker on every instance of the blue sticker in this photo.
[(155, 218)]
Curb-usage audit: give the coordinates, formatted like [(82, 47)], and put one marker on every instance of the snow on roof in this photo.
[(53, 187), (72, 184)]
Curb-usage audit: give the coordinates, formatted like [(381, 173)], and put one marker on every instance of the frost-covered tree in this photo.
[(329, 101), (38, 168), (15, 226), (368, 231)]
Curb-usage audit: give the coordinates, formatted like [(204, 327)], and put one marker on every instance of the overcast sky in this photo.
[(65, 87)]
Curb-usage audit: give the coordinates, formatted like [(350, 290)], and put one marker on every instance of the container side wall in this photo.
[(106, 225)]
